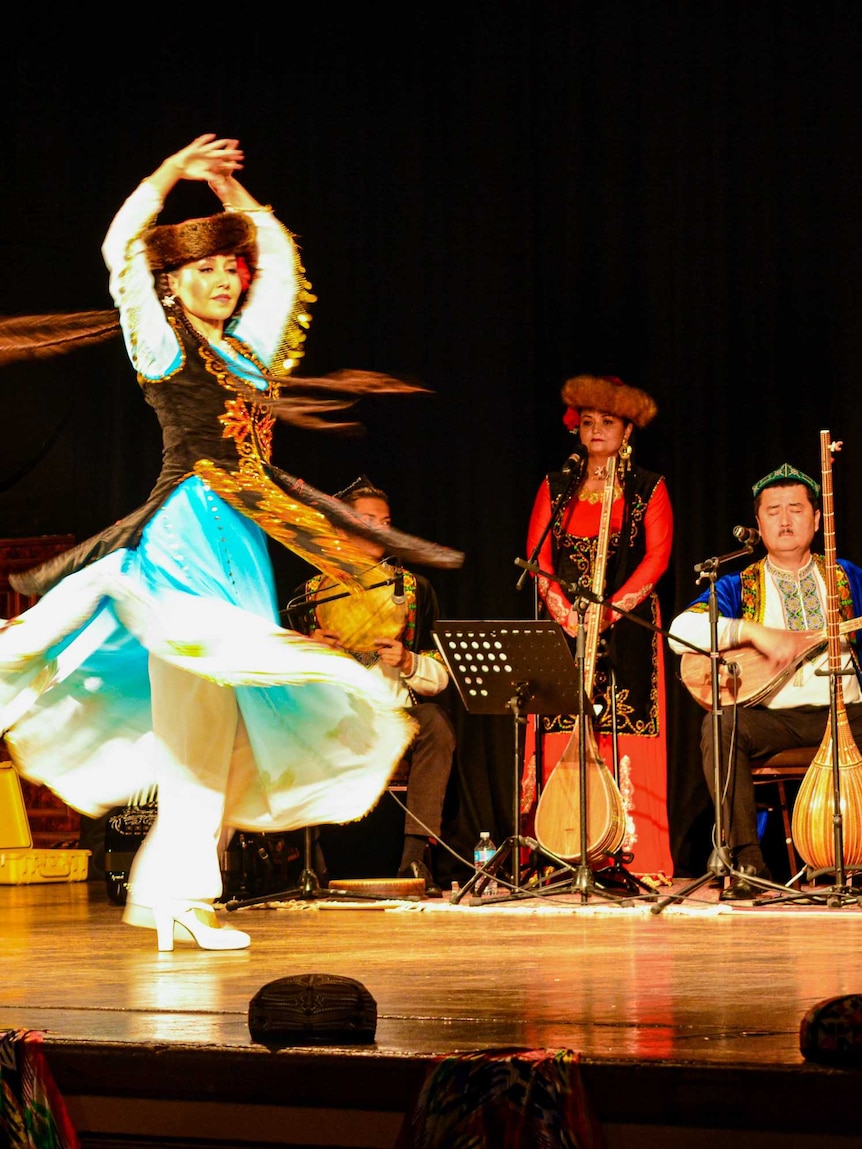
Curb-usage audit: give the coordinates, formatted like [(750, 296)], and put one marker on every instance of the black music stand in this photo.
[(524, 667)]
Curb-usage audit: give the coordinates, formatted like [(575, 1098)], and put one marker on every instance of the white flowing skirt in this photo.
[(317, 740)]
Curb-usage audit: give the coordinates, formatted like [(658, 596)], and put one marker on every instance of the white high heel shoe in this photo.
[(183, 922)]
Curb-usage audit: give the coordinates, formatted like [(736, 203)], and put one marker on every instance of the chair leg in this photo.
[(793, 858)]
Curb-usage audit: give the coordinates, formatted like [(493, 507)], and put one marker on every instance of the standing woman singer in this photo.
[(603, 412)]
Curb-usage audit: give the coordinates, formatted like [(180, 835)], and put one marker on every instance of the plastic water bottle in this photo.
[(483, 852)]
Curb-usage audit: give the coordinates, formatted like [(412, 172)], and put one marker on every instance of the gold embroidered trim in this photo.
[(302, 529), (292, 346)]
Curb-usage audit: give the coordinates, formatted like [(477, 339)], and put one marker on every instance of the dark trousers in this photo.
[(759, 732), (430, 754)]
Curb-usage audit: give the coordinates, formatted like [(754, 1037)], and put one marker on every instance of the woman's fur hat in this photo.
[(173, 244), (606, 393)]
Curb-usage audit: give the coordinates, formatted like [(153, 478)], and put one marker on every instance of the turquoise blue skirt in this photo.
[(198, 592)]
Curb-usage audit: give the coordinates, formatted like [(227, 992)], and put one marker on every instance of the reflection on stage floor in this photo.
[(687, 1020)]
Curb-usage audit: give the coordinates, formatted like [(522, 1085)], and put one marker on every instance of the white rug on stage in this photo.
[(529, 905)]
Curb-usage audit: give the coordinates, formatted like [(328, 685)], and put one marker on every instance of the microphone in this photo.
[(575, 462), (398, 586), (748, 536)]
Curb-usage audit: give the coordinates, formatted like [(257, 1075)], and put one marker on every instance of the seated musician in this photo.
[(759, 607), (391, 635)]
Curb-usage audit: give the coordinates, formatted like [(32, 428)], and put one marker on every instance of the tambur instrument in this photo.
[(558, 813), (820, 793)]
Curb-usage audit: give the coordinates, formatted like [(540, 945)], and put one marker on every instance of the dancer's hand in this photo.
[(208, 158)]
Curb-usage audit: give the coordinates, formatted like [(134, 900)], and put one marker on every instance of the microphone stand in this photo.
[(577, 591), (307, 602), (573, 468), (615, 875), (583, 881), (581, 597), (720, 864)]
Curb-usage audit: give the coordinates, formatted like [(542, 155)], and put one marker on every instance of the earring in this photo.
[(625, 450)]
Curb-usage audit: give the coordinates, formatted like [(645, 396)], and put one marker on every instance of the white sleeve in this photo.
[(272, 296), (151, 344), (429, 675), (693, 626)]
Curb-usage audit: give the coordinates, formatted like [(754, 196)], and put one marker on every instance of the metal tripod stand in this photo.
[(516, 667), (719, 864), (628, 887), (309, 888), (584, 880)]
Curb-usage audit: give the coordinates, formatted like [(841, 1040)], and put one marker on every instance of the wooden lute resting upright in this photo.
[(814, 826), (558, 814)]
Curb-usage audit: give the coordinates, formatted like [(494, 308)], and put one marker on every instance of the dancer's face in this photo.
[(208, 289)]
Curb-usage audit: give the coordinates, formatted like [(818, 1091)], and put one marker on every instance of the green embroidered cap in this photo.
[(782, 474)]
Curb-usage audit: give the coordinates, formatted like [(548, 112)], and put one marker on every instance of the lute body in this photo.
[(757, 676)]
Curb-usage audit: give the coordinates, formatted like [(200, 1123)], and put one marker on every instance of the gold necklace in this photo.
[(593, 496), (588, 496)]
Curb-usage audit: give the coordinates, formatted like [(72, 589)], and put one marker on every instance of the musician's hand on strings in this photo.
[(393, 652), (570, 625), (609, 617), (327, 637), (778, 645)]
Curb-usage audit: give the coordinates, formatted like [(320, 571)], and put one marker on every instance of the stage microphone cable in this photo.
[(504, 883), (733, 672)]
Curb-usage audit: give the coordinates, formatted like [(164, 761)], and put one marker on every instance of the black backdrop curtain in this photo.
[(490, 198)]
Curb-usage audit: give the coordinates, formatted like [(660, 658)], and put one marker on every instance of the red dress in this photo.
[(643, 518)]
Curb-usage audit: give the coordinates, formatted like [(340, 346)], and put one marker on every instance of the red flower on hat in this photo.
[(244, 272)]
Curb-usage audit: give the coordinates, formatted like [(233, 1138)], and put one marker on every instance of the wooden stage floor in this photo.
[(686, 1021)]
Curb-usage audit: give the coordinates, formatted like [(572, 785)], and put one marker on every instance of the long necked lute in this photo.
[(558, 814), (813, 826)]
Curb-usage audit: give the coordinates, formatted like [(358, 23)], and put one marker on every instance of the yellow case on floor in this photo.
[(14, 826), (20, 864)]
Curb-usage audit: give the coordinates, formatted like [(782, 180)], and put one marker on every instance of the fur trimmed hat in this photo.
[(606, 393), (173, 244)]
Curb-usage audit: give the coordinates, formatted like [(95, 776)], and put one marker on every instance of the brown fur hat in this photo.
[(173, 244), (607, 393)]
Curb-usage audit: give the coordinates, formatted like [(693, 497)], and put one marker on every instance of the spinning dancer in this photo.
[(154, 657)]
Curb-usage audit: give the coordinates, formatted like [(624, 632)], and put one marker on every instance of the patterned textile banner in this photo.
[(33, 1114)]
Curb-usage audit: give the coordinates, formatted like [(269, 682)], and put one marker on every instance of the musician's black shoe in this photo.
[(613, 881), (420, 870), (740, 889)]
